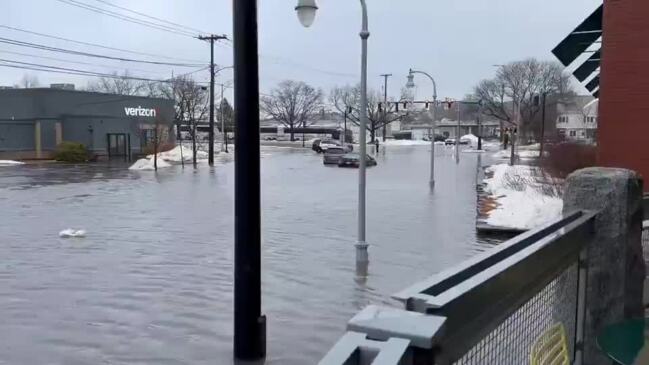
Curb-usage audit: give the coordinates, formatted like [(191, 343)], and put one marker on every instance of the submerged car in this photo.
[(354, 160), (332, 155)]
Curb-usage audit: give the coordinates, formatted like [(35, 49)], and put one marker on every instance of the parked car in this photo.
[(449, 141), (353, 160), (321, 145), (332, 155)]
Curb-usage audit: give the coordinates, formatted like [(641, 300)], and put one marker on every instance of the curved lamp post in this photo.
[(411, 85), (306, 11)]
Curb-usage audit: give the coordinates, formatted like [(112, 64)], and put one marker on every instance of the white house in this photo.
[(577, 118)]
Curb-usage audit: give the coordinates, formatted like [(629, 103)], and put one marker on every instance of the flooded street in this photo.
[(152, 281)]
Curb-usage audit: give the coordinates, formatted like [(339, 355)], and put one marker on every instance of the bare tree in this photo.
[(292, 103), (118, 84), (346, 97), (29, 81), (519, 83)]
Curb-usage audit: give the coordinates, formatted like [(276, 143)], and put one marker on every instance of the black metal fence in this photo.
[(488, 310)]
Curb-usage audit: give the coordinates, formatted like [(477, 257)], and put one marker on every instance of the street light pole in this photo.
[(306, 10), (411, 84), (361, 245)]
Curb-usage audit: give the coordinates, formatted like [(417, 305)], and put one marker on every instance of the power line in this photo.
[(79, 53), (151, 17), (73, 71), (74, 62), (127, 18), (93, 44)]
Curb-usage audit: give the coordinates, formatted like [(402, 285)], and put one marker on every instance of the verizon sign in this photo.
[(140, 112)]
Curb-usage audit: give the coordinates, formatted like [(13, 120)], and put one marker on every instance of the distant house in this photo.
[(577, 118)]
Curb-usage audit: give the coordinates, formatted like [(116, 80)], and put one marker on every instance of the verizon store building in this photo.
[(34, 121)]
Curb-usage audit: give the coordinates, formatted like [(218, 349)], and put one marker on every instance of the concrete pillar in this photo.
[(615, 262), (37, 140), (58, 130)]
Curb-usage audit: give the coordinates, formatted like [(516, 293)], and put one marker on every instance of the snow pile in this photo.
[(168, 158), (10, 163), (72, 233), (178, 154), (523, 208), (525, 154), (405, 142), (146, 164)]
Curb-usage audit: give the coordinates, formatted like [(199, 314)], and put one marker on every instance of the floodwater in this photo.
[(152, 281)]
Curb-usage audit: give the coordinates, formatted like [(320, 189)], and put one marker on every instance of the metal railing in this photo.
[(488, 310)]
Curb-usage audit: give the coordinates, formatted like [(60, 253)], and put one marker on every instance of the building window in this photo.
[(562, 132), (148, 137), (573, 133), (582, 133), (591, 119), (563, 119)]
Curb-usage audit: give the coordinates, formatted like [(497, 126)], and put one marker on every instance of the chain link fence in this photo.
[(511, 341)]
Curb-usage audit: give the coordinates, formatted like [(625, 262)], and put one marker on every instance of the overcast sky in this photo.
[(458, 41)]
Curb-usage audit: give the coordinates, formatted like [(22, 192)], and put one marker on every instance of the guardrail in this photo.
[(488, 310)]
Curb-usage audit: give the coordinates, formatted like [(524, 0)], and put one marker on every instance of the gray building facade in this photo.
[(34, 121)]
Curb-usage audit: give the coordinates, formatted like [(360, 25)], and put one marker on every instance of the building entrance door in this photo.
[(119, 146)]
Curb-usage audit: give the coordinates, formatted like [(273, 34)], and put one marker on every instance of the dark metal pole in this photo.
[(345, 131), (542, 126), (385, 104), (249, 323), (211, 131)]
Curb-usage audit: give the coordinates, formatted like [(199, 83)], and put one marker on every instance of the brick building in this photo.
[(618, 74), (624, 91)]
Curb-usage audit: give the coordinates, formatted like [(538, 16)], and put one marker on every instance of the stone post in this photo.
[(616, 269)]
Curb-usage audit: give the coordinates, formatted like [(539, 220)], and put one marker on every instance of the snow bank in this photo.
[(168, 158), (175, 155), (146, 164), (404, 142), (10, 163), (523, 209), (524, 154), (72, 233)]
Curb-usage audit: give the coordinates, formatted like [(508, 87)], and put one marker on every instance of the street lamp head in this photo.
[(411, 81), (306, 10)]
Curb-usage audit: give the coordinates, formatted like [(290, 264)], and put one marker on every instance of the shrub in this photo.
[(71, 152), (566, 157)]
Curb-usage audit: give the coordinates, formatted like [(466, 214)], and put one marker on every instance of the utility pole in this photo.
[(480, 125), (385, 103), (457, 138), (514, 132), (211, 38), (545, 94)]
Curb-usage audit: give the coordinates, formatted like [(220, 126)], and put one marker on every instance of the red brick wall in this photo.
[(623, 134)]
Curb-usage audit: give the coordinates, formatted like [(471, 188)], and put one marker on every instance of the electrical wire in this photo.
[(73, 71), (112, 67), (152, 17), (94, 44), (128, 18), (86, 54)]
